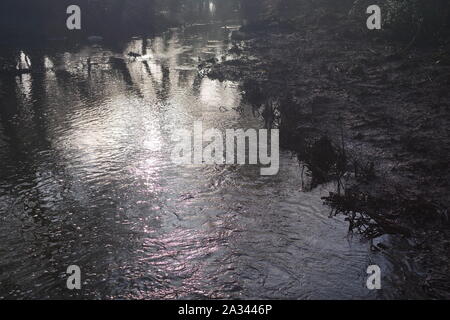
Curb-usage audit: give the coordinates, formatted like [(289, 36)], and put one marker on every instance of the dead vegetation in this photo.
[(355, 111)]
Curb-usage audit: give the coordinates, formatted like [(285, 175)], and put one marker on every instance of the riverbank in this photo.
[(369, 114)]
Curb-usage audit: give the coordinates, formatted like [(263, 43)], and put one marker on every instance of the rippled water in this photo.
[(86, 179)]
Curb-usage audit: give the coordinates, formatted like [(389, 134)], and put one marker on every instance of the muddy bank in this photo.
[(371, 115)]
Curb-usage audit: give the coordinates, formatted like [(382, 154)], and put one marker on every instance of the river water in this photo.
[(86, 179)]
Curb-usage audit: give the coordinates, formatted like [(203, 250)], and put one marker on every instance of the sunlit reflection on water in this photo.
[(87, 179)]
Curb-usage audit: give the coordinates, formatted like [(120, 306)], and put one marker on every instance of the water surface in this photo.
[(86, 179)]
